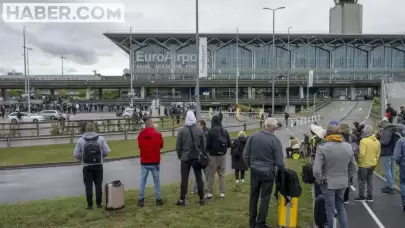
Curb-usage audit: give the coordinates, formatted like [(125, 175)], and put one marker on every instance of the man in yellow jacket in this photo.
[(369, 155)]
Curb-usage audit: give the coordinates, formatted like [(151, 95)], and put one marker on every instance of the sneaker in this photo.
[(388, 190), (369, 199), (181, 203), (208, 196), (360, 199), (89, 207), (221, 195), (346, 202), (243, 181), (99, 206), (237, 181), (159, 202), (141, 203), (202, 202)]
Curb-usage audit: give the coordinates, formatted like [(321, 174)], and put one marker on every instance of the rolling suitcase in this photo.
[(287, 212), (114, 195)]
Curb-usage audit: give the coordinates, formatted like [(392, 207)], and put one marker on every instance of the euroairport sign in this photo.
[(164, 60)]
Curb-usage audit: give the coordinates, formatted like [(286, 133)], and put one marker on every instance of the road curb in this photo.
[(383, 179), (73, 163)]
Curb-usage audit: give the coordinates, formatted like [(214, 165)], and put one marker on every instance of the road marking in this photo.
[(376, 220)]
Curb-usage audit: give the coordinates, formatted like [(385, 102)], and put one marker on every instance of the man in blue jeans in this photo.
[(386, 136), (150, 142), (333, 167), (399, 157)]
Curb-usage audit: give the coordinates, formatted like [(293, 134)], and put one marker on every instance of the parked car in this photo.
[(50, 114), (25, 117)]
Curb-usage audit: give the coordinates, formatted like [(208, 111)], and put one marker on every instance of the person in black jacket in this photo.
[(202, 125), (218, 142), (392, 112), (237, 157)]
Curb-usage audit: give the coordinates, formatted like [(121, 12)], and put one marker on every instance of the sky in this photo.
[(86, 48)]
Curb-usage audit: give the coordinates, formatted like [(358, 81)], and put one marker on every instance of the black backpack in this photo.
[(307, 174), (222, 141), (288, 184), (92, 151)]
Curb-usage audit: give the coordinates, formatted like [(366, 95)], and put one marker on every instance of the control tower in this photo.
[(346, 18)]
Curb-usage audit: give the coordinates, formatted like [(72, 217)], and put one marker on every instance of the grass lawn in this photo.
[(231, 212), (64, 152)]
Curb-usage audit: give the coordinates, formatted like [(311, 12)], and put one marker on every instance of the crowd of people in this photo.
[(338, 154)]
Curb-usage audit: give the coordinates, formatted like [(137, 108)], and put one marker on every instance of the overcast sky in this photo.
[(87, 49)]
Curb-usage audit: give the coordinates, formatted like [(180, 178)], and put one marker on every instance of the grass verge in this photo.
[(380, 171), (231, 212), (376, 108), (64, 152)]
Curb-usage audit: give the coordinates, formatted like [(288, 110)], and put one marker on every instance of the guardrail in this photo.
[(125, 134)]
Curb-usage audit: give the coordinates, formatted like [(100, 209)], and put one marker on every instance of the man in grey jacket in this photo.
[(188, 156), (385, 136), (91, 149), (263, 154), (334, 165)]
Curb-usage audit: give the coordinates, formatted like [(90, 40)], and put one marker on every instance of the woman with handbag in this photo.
[(237, 160)]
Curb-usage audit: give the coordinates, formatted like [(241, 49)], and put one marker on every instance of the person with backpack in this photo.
[(388, 137), (391, 113), (237, 160), (203, 125), (399, 157), (369, 155), (91, 149), (218, 142), (190, 144), (263, 154), (334, 165)]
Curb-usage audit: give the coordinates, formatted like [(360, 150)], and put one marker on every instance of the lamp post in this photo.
[(131, 68), (273, 55), (62, 58), (197, 79), (308, 66), (25, 62), (237, 67), (288, 74), (28, 79)]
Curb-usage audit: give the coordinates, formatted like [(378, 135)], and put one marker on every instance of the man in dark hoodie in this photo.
[(386, 136), (91, 149), (218, 142), (203, 125), (188, 156)]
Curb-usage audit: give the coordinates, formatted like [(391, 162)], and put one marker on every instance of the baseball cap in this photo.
[(334, 123)]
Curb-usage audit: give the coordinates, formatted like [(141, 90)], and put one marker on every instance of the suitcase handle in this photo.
[(116, 183)]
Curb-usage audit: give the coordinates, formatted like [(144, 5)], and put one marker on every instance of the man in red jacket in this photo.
[(150, 142)]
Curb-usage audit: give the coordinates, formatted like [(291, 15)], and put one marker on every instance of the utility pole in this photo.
[(62, 58), (289, 72), (197, 76), (28, 80), (25, 62), (131, 68), (237, 68)]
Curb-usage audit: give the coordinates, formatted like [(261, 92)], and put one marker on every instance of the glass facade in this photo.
[(257, 56)]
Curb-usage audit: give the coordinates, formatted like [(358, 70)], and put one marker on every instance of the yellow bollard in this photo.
[(287, 213)]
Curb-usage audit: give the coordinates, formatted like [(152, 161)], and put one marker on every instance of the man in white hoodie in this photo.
[(188, 156)]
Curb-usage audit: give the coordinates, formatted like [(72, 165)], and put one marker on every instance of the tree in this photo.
[(110, 94), (14, 93), (82, 93), (62, 93)]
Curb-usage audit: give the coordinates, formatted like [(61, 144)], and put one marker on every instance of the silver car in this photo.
[(50, 114)]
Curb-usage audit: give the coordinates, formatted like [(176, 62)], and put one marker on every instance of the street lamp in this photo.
[(28, 79), (131, 67), (197, 79), (308, 66), (273, 55), (25, 62), (288, 74), (237, 68), (62, 58)]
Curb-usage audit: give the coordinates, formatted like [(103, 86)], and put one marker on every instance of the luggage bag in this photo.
[(114, 195), (287, 212)]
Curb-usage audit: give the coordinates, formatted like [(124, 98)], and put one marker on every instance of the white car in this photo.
[(25, 117), (128, 113)]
